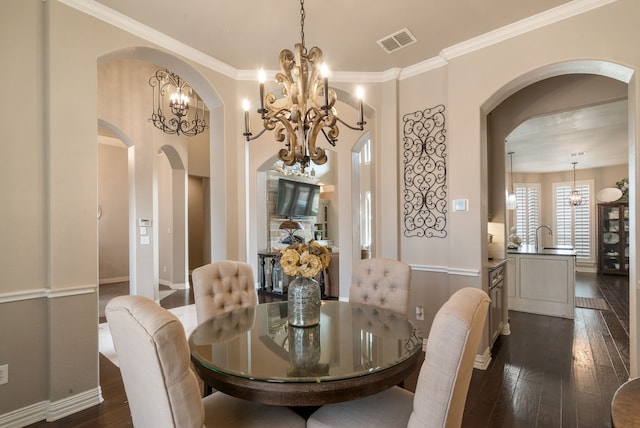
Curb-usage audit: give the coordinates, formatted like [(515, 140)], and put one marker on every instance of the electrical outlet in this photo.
[(4, 374), (419, 313)]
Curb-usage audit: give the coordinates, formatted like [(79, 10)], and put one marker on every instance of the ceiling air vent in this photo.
[(397, 40)]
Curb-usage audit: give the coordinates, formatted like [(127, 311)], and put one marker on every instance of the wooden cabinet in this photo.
[(613, 238)]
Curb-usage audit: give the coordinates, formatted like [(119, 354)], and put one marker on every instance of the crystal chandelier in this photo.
[(575, 198), (179, 103), (305, 109)]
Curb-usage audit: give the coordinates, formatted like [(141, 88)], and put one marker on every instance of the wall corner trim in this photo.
[(446, 269), (40, 293)]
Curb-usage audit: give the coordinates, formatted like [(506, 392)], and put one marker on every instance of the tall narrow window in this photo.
[(366, 220), (527, 211), (365, 153), (574, 224)]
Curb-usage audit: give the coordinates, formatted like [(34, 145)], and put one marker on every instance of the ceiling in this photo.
[(249, 34), (246, 35), (593, 136)]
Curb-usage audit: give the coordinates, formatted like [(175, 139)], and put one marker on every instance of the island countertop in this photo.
[(495, 263), (546, 251)]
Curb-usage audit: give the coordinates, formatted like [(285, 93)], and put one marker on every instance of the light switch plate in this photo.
[(461, 205), (146, 222)]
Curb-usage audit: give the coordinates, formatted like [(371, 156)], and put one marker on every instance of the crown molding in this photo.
[(567, 10), (105, 14), (422, 67), (551, 16)]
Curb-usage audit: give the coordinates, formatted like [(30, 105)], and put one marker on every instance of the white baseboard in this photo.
[(113, 280), (51, 410), (482, 360), (506, 329), (25, 416), (70, 405)]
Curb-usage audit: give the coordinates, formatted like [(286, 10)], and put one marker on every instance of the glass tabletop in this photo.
[(258, 343)]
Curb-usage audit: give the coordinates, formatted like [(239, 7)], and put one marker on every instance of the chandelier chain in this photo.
[(302, 16)]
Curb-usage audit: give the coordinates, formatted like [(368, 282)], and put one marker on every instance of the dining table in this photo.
[(356, 350)]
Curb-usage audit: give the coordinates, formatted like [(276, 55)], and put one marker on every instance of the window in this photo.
[(365, 232), (573, 225), (527, 211), (365, 153)]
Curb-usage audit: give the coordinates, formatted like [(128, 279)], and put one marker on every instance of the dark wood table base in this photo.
[(309, 393)]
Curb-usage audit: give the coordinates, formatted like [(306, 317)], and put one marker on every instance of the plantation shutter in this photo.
[(573, 225), (527, 211), (582, 218), (563, 216)]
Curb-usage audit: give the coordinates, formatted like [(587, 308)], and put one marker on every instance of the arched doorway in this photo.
[(613, 71), (128, 101)]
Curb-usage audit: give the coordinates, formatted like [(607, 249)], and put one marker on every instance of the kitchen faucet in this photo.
[(537, 229)]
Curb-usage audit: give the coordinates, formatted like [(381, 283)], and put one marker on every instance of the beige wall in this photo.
[(474, 84), (113, 198), (49, 262)]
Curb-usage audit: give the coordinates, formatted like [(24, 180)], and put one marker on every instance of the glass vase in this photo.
[(304, 302), (304, 350)]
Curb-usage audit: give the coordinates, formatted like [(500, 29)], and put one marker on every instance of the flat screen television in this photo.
[(297, 199)]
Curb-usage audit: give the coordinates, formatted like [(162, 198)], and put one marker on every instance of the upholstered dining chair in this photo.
[(222, 286), (161, 388), (443, 381), (381, 282)]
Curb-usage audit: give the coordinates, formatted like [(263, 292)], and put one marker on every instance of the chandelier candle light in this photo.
[(297, 117), (163, 82)]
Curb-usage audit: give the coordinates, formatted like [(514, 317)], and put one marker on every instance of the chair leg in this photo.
[(208, 390)]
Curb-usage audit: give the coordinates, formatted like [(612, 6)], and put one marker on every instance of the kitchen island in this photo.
[(541, 281)]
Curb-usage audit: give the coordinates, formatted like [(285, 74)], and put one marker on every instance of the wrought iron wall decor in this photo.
[(425, 173)]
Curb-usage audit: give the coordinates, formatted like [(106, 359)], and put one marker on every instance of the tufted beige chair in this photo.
[(222, 286), (226, 326), (381, 282), (443, 381), (161, 388), (370, 318)]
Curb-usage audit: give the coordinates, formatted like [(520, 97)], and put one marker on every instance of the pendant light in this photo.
[(511, 197), (575, 198)]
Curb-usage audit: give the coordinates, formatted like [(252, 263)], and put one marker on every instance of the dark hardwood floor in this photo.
[(554, 372), (550, 372)]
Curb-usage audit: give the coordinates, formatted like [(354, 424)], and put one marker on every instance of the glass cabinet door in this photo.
[(613, 240), (625, 249)]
